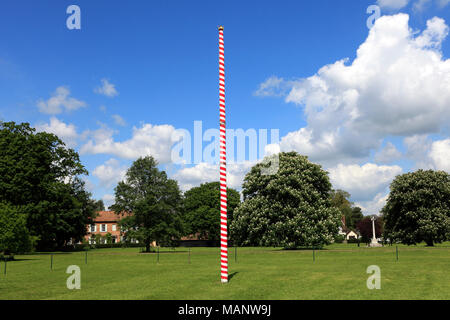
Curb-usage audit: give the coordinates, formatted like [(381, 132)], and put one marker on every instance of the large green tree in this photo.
[(290, 208), (41, 175), (202, 210), (418, 208), (14, 234), (152, 204)]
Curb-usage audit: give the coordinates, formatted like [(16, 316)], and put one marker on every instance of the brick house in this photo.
[(105, 222)]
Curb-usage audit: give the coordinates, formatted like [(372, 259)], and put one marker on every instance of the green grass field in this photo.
[(338, 272)]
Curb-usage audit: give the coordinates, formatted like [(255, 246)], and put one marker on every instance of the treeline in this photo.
[(44, 203)]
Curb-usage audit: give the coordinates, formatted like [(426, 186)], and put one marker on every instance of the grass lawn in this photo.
[(338, 272)]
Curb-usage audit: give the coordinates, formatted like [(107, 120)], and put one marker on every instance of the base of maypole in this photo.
[(224, 280)]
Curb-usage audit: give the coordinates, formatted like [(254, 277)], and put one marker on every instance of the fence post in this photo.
[(157, 257)]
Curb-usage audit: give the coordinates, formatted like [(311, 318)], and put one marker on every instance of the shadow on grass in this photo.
[(230, 276), (22, 259)]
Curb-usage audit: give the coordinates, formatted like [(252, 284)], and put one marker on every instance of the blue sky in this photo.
[(156, 62)]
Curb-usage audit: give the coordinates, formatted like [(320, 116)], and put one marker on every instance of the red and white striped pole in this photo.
[(223, 165)]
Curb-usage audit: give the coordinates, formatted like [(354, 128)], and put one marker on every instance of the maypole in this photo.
[(223, 165)]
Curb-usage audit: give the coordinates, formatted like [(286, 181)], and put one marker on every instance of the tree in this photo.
[(418, 208), (98, 205), (291, 208), (202, 210), (340, 200), (14, 234), (356, 216), (153, 202), (365, 228), (41, 175)]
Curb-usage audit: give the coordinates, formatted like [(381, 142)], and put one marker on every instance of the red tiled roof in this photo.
[(108, 216)]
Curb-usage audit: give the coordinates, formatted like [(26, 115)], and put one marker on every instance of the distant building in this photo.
[(347, 233), (105, 222)]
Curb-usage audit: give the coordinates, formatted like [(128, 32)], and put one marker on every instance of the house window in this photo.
[(93, 228), (103, 228), (114, 227)]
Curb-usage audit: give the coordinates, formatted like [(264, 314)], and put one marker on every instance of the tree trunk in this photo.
[(429, 243)]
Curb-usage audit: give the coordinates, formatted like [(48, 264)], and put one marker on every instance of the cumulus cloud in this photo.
[(440, 155), (374, 206), (110, 173), (363, 182), (154, 140), (107, 89), (388, 154), (206, 172), (58, 101), (66, 132), (398, 85)]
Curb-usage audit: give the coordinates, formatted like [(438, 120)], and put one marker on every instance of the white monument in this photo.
[(374, 242)]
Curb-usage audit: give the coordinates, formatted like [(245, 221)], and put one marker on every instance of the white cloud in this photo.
[(273, 87), (108, 200), (206, 172), (107, 89), (374, 206), (417, 149), (110, 173), (154, 140), (433, 36), (398, 85), (363, 182), (59, 100), (440, 155), (392, 4), (66, 132), (119, 120), (388, 154)]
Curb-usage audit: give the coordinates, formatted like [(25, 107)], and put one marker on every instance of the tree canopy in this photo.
[(291, 208), (153, 202), (41, 175), (352, 214), (202, 210), (14, 234), (418, 208)]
